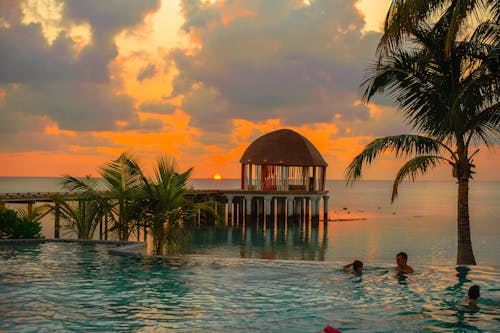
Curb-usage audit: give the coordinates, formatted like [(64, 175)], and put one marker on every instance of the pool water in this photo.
[(68, 287)]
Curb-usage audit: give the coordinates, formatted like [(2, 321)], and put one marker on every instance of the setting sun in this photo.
[(217, 176)]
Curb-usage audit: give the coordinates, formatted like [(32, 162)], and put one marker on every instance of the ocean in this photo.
[(422, 220)]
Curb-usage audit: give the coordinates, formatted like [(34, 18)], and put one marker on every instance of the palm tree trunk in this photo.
[(465, 255)]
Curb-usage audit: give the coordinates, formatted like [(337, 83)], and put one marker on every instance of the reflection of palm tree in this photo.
[(462, 272), (447, 88)]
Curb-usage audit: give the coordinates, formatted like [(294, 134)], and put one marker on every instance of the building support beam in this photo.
[(325, 208)]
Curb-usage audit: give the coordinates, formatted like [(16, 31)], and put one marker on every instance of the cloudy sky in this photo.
[(83, 81)]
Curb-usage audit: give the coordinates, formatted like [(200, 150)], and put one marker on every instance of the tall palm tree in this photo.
[(449, 92)]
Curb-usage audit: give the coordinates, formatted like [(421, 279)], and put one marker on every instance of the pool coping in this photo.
[(123, 248)]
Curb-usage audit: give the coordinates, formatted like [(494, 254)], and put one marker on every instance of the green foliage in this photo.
[(130, 199), (14, 227)]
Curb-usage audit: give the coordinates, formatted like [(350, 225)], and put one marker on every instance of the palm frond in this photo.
[(414, 167), (400, 145), (38, 212)]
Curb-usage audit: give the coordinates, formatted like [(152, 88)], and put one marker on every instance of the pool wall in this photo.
[(123, 248)]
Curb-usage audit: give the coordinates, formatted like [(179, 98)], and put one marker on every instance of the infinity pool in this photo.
[(68, 287)]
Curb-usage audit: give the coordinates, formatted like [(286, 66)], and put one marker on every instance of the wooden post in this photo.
[(57, 225), (106, 226), (100, 228)]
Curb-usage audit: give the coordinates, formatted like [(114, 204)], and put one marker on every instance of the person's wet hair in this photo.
[(403, 255), (474, 292), (357, 264)]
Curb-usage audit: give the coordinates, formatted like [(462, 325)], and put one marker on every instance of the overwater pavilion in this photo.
[(283, 169)]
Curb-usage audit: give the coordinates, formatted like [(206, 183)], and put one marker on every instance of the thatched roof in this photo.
[(282, 147)]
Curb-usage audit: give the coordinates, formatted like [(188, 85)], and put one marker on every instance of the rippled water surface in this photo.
[(71, 287)]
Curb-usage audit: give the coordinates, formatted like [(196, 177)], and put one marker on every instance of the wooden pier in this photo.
[(244, 202)]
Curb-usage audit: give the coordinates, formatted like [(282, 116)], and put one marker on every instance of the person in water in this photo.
[(472, 296), (355, 267), (401, 260)]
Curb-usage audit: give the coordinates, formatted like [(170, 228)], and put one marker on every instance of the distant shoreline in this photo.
[(333, 180)]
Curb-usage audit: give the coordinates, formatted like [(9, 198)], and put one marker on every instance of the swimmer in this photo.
[(357, 267), (403, 267)]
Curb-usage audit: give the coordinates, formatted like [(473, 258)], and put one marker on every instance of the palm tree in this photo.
[(170, 216), (119, 196), (404, 15), (122, 181), (447, 89), (85, 214)]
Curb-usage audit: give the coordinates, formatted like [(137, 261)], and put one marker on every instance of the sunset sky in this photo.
[(83, 81)]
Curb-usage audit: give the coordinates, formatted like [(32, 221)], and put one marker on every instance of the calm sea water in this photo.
[(80, 288), (365, 224)]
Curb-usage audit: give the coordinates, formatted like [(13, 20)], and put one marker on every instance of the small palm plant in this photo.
[(169, 215), (122, 180), (116, 195), (84, 214)]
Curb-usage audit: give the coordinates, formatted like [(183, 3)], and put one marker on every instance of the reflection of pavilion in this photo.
[(283, 174), (273, 239)]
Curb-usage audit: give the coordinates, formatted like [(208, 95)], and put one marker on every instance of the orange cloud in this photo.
[(53, 129)]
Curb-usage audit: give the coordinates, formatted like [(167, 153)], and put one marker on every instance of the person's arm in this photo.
[(346, 268)]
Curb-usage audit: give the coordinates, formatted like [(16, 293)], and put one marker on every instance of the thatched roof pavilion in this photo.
[(283, 160)]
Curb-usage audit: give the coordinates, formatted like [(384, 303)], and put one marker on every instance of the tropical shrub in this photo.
[(14, 227)]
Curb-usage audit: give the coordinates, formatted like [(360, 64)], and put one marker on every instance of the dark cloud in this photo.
[(74, 106), (37, 140), (110, 16), (159, 107), (151, 125), (26, 57), (72, 89), (146, 73), (273, 59)]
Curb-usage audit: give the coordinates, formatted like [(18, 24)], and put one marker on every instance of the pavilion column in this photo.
[(315, 208), (229, 208), (248, 205), (289, 205), (268, 200), (325, 207), (307, 211), (285, 173)]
